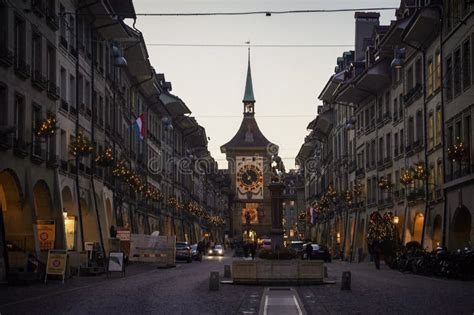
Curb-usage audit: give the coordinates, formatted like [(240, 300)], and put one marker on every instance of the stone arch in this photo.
[(460, 235), (42, 199), (437, 228), (418, 227), (17, 221)]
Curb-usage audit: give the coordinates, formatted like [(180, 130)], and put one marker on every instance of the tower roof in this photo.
[(248, 95), (248, 136)]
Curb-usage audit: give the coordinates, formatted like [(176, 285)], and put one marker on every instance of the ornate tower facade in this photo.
[(249, 158)]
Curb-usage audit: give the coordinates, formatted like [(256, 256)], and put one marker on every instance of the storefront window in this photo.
[(70, 225)]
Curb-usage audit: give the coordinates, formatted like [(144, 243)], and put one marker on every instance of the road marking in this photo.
[(265, 305), (297, 305)]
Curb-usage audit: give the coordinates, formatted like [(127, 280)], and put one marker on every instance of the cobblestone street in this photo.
[(185, 290)]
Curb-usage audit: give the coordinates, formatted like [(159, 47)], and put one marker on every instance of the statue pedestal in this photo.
[(277, 232)]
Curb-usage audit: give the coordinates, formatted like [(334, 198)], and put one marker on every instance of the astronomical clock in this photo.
[(249, 177)]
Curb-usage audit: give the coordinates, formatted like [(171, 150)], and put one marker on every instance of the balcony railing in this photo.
[(6, 57), (53, 91), (412, 95), (22, 68), (39, 80)]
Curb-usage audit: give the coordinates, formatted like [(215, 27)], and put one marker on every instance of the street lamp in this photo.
[(396, 219), (399, 58)]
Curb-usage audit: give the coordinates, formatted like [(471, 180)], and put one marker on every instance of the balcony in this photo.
[(53, 91), (360, 172), (52, 19), (20, 147), (412, 95), (73, 50), (39, 80), (388, 161), (63, 41), (64, 165), (73, 110), (22, 69), (38, 8), (52, 160), (64, 105), (416, 194), (6, 57), (38, 154)]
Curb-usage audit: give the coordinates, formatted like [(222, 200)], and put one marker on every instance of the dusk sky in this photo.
[(287, 81)]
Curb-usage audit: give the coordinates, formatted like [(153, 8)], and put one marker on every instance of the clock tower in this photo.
[(249, 156)]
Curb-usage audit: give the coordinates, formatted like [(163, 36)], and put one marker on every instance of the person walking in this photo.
[(200, 250), (377, 250), (253, 249), (309, 251)]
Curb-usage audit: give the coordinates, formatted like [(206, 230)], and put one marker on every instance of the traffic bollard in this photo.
[(214, 281), (325, 272), (227, 273), (346, 280)]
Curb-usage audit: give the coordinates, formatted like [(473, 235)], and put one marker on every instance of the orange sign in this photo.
[(46, 233)]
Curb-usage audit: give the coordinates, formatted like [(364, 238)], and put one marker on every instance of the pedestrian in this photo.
[(246, 250), (252, 250), (309, 251), (200, 250), (377, 250)]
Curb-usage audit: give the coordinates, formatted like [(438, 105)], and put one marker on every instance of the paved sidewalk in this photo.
[(387, 291)]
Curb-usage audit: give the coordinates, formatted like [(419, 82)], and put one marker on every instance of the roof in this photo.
[(248, 136), (248, 94)]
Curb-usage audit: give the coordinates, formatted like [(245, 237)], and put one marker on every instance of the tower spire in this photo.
[(248, 95)]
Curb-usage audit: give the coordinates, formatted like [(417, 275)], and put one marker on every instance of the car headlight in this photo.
[(220, 251), (210, 251)]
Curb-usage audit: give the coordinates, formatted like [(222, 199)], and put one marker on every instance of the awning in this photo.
[(393, 37), (174, 104), (423, 27), (327, 93), (352, 95), (375, 78)]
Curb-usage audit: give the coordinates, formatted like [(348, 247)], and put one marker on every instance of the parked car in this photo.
[(217, 250), (298, 247), (183, 252), (267, 243), (321, 252), (194, 252)]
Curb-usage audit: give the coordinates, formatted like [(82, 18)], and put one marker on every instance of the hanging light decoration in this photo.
[(384, 183), (358, 189), (406, 178), (324, 202), (331, 192), (46, 127), (349, 197), (302, 216), (419, 171), (106, 158), (154, 194), (81, 145), (457, 151), (121, 170)]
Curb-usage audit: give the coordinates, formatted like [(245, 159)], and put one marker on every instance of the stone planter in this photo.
[(280, 272)]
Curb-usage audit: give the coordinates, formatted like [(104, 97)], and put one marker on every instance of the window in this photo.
[(388, 145), (64, 151), (430, 77), (439, 174), (4, 26), (20, 42), (72, 31), (387, 103), (367, 151), (369, 190), (410, 78), (80, 92), (395, 109), (411, 131), (373, 153), (51, 64), (467, 137), (63, 84), (431, 139), (381, 148), (3, 105), (402, 141), (19, 118), (36, 55), (379, 108), (101, 111), (419, 127), (466, 64), (457, 72), (35, 119), (72, 91), (437, 81), (449, 78), (439, 126), (418, 70), (395, 139)]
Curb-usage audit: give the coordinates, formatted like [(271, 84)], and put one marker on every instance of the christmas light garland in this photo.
[(406, 177), (106, 158), (457, 151), (81, 146), (46, 127)]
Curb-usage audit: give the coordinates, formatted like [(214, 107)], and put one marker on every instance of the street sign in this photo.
[(57, 260), (123, 234), (46, 233)]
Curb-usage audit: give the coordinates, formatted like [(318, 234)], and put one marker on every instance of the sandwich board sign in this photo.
[(57, 260), (116, 263)]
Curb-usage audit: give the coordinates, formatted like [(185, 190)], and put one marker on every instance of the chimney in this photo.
[(364, 26)]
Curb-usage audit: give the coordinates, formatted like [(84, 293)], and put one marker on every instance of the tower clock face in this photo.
[(249, 177)]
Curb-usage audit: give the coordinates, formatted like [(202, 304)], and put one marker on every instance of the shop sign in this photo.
[(123, 234), (57, 260), (46, 233)]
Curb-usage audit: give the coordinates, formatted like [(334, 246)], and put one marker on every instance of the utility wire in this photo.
[(262, 45)]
